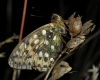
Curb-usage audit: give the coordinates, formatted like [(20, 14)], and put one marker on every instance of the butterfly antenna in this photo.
[(36, 15)]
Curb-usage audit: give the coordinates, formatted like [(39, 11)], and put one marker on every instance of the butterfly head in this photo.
[(56, 17), (59, 23)]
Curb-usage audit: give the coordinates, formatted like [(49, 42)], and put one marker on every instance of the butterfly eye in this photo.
[(55, 17)]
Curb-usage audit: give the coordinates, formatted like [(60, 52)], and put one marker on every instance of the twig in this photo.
[(9, 40), (14, 74), (20, 38), (23, 19)]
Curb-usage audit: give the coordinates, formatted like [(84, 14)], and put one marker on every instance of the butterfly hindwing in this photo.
[(35, 49), (40, 48)]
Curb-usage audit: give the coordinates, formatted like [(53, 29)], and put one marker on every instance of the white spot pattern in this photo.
[(36, 41), (46, 54), (54, 38), (25, 46), (51, 24), (43, 32), (44, 69), (37, 47), (52, 47), (46, 42), (51, 31), (35, 36), (24, 53), (49, 35), (51, 59), (40, 54)]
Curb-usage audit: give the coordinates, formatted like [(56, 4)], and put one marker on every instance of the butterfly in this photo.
[(40, 48)]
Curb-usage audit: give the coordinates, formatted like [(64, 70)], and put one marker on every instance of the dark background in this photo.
[(11, 14)]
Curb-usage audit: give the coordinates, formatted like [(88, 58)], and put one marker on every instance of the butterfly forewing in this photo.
[(38, 50)]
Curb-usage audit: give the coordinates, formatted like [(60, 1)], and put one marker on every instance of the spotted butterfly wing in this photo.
[(40, 48)]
